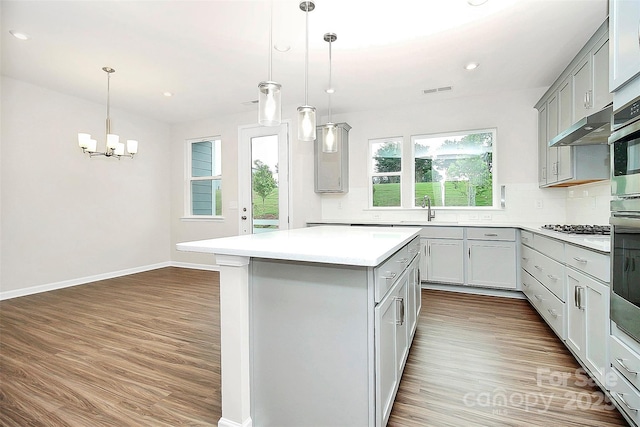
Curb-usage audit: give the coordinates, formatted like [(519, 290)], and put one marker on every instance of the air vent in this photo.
[(437, 89)]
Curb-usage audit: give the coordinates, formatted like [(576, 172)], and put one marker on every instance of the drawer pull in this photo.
[(525, 284), (524, 258), (390, 275), (400, 311), (553, 312), (539, 298), (626, 368), (538, 267), (403, 260), (491, 234), (580, 260), (552, 277), (621, 397)]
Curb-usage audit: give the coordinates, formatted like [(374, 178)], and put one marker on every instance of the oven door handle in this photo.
[(625, 220)]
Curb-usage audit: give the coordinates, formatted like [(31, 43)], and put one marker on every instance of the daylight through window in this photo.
[(386, 170), (205, 177), (454, 169)]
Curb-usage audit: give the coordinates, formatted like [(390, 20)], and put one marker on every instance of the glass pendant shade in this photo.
[(112, 141), (132, 146), (83, 140), (92, 146), (269, 104), (306, 123), (329, 138), (119, 150)]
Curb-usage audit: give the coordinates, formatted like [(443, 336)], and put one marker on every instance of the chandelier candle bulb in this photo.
[(132, 146), (92, 146), (83, 140), (119, 150)]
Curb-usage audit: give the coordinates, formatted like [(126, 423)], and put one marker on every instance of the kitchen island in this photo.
[(316, 323)]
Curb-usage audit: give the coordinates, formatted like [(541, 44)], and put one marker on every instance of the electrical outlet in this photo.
[(486, 217), (539, 204), (473, 217), (376, 216)]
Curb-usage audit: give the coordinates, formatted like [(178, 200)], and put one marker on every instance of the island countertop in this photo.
[(360, 246)]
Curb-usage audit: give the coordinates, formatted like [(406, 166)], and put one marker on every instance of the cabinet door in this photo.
[(391, 346), (564, 166), (596, 328), (576, 312), (331, 169), (413, 297), (552, 131), (583, 92), (385, 354), (624, 18), (542, 146), (600, 60), (565, 105), (445, 259), (492, 263)]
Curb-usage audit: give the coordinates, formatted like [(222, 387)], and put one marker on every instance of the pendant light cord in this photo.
[(270, 36), (306, 55), (330, 80), (108, 102)]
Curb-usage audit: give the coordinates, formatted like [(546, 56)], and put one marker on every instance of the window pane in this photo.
[(206, 197), (386, 155), (205, 158), (454, 170), (386, 190)]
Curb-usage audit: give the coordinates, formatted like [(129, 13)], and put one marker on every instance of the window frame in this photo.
[(494, 174), (189, 179), (401, 141)]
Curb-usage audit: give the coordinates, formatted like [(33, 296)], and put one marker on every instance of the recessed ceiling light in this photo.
[(471, 66), (167, 94), (476, 2), (330, 90), (19, 35)]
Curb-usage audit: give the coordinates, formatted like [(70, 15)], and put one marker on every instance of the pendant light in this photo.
[(306, 113), (114, 148), (329, 137), (269, 95)]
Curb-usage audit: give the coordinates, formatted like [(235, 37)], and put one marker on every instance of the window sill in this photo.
[(202, 218)]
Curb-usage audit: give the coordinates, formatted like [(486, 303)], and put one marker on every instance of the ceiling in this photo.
[(212, 54)]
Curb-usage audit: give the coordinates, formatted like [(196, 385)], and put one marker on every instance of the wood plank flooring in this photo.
[(144, 350)]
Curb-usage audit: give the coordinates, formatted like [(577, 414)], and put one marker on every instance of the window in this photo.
[(386, 170), (204, 195), (454, 169)]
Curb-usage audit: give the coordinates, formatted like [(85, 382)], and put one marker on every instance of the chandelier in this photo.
[(114, 148)]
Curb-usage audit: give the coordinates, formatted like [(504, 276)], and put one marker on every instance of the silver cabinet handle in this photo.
[(538, 297), (403, 260), (491, 234), (621, 397), (553, 312), (419, 280), (575, 296), (538, 267), (626, 368), (524, 258), (390, 275), (552, 277), (579, 290), (400, 321), (580, 260), (585, 100), (525, 284)]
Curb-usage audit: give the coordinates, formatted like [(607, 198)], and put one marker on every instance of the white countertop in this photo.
[(594, 242), (360, 246)]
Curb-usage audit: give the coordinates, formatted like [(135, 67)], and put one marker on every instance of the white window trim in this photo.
[(371, 174), (495, 191), (187, 216)]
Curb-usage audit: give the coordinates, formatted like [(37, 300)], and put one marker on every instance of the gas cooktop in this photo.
[(579, 229)]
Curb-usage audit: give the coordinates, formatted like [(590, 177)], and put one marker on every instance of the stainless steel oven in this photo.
[(625, 267), (625, 150)]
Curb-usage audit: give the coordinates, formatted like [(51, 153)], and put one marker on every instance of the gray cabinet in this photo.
[(332, 169), (625, 43), (492, 258), (579, 91)]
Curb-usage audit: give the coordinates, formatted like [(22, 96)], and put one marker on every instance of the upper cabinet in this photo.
[(625, 42), (581, 90), (332, 168)]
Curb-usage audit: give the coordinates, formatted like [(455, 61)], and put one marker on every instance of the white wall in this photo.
[(304, 203), (64, 216), (513, 115)]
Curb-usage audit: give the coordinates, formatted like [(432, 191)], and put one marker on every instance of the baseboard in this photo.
[(223, 422), (209, 267), (474, 290), (79, 281)]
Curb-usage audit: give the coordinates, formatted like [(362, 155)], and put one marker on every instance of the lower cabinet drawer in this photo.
[(625, 360), (548, 305), (626, 395), (550, 273), (386, 274)]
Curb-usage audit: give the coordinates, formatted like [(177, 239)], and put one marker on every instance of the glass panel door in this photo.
[(263, 179)]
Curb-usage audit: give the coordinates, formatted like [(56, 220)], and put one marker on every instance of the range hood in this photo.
[(591, 130)]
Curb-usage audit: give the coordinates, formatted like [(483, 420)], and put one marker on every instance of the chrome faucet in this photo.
[(426, 202)]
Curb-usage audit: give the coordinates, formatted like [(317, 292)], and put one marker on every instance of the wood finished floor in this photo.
[(144, 350)]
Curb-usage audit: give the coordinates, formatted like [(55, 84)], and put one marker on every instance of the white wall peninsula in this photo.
[(316, 323)]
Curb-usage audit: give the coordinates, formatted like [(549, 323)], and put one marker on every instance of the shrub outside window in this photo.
[(386, 171), (454, 169), (204, 177)]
